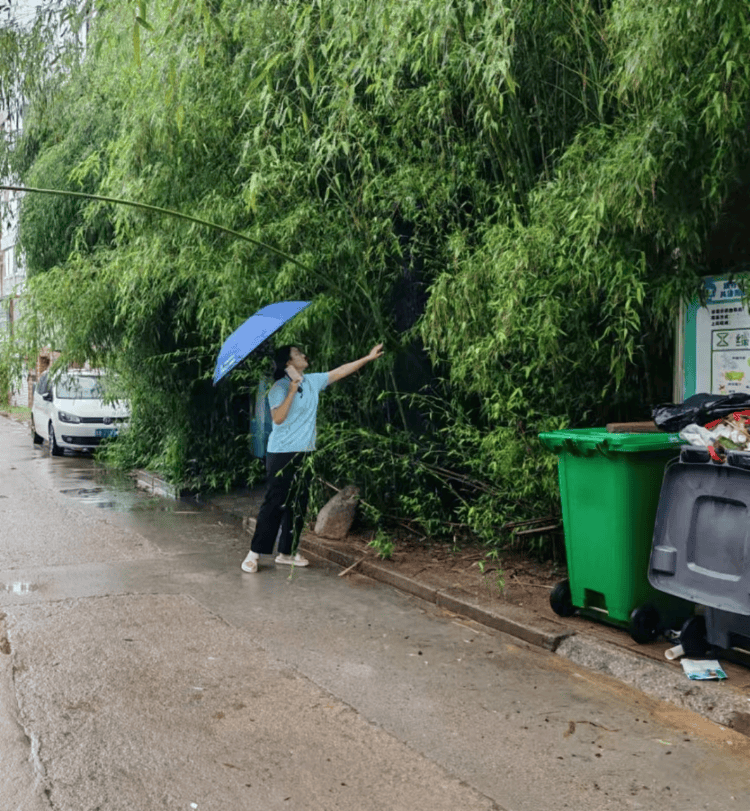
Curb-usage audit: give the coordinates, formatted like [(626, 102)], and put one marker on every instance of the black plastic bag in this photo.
[(699, 409)]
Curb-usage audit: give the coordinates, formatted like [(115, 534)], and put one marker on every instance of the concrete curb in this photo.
[(508, 619), (714, 700), (156, 485)]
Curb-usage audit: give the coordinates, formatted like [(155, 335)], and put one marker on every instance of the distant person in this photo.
[(293, 399)]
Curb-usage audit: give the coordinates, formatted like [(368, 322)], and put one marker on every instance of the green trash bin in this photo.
[(609, 488)]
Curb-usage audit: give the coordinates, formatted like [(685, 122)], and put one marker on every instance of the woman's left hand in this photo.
[(375, 352)]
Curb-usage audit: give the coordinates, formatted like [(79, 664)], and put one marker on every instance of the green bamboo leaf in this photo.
[(142, 22), (310, 69), (179, 117), (137, 43), (171, 84), (218, 25)]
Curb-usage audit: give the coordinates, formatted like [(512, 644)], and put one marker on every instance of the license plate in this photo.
[(101, 432)]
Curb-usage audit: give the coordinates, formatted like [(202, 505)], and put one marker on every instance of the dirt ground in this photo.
[(511, 578)]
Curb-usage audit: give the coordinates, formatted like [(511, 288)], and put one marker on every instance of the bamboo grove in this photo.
[(515, 195)]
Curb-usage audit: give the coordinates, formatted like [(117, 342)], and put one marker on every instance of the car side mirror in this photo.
[(47, 397)]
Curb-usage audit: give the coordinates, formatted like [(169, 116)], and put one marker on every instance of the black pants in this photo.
[(285, 504)]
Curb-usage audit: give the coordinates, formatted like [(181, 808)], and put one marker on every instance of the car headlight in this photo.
[(65, 417)]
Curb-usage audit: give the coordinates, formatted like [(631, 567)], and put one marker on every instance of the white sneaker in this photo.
[(250, 563), (297, 560)]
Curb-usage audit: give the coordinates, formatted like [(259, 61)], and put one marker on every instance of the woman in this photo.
[(294, 407)]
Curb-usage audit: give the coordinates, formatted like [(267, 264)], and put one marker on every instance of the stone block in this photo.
[(336, 517)]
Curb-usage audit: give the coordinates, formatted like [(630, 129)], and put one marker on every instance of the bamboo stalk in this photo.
[(169, 212)]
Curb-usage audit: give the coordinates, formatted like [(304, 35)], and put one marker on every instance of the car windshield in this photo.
[(73, 387)]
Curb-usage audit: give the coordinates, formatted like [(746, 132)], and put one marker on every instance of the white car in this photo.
[(70, 412)]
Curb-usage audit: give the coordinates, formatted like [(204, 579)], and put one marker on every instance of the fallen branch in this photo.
[(328, 484), (515, 524), (349, 568), (538, 530)]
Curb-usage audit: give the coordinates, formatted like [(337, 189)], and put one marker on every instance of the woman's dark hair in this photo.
[(280, 359)]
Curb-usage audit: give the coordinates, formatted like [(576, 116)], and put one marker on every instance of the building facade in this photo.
[(12, 271)]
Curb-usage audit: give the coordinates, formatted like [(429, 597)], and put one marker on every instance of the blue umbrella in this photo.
[(253, 332)]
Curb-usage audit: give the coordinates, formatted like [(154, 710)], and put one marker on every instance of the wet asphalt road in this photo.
[(147, 671)]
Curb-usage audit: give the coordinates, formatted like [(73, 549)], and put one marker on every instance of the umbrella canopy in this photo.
[(253, 332)]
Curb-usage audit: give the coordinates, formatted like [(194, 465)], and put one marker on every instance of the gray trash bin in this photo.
[(701, 543)]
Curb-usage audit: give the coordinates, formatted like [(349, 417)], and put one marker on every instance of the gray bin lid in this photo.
[(701, 542)]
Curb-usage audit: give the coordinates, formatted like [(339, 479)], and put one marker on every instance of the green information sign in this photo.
[(714, 342)]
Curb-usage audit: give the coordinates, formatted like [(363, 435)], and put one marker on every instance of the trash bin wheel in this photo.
[(561, 601), (693, 637), (645, 624)]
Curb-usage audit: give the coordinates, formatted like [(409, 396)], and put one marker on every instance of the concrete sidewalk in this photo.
[(726, 703)]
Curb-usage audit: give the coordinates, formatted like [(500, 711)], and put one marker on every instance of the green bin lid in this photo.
[(592, 439)]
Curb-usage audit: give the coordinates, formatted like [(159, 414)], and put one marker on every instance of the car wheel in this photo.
[(37, 439), (54, 448)]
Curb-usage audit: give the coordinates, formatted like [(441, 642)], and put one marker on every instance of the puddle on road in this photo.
[(121, 495), (109, 498), (172, 525), (19, 588), (109, 490), (83, 480), (168, 523)]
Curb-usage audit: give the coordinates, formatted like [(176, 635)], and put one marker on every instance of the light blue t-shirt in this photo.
[(298, 431)]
